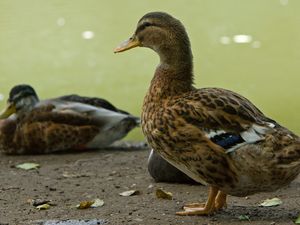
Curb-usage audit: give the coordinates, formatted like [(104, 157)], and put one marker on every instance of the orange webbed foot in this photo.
[(216, 201)]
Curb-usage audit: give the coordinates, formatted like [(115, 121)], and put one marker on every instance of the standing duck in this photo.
[(215, 136), (29, 126)]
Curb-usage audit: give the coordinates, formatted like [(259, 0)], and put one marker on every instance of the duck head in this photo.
[(164, 34), (22, 98)]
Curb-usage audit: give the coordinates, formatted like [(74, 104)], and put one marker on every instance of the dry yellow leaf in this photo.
[(271, 202), (85, 204), (28, 166), (43, 207), (160, 193)]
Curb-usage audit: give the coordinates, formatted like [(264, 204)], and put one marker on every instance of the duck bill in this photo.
[(128, 44), (9, 110)]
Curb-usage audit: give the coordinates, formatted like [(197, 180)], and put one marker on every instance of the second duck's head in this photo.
[(162, 33), (22, 98)]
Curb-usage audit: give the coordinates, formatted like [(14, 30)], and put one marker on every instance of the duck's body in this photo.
[(195, 138), (67, 122), (215, 136)]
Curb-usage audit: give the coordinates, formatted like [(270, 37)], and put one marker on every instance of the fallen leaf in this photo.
[(271, 202), (297, 220), (244, 217), (37, 202), (28, 166), (90, 204), (97, 203), (129, 193), (160, 193), (85, 204), (43, 207)]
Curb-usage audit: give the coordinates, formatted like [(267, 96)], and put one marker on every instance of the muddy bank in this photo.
[(68, 179)]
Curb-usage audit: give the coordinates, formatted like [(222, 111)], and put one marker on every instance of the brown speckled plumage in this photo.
[(68, 122), (215, 136), (44, 131)]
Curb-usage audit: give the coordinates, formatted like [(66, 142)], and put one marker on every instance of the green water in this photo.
[(41, 43)]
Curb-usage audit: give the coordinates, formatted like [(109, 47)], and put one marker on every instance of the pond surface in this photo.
[(62, 47)]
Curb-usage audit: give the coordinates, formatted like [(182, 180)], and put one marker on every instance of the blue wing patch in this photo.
[(227, 140)]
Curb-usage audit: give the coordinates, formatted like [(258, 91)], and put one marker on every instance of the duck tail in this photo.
[(290, 156)]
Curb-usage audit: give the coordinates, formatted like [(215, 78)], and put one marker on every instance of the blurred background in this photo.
[(66, 46)]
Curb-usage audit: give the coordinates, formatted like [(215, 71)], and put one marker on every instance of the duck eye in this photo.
[(146, 24), (143, 26)]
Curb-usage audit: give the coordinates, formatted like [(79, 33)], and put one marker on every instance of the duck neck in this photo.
[(174, 74)]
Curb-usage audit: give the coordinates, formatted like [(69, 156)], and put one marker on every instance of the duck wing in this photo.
[(98, 102), (74, 112), (227, 118)]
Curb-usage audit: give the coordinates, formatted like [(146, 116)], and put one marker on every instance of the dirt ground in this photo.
[(67, 179)]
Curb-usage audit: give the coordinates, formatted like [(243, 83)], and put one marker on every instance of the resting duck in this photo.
[(215, 136), (31, 126)]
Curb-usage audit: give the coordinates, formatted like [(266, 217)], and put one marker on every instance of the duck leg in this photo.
[(202, 209), (220, 201)]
